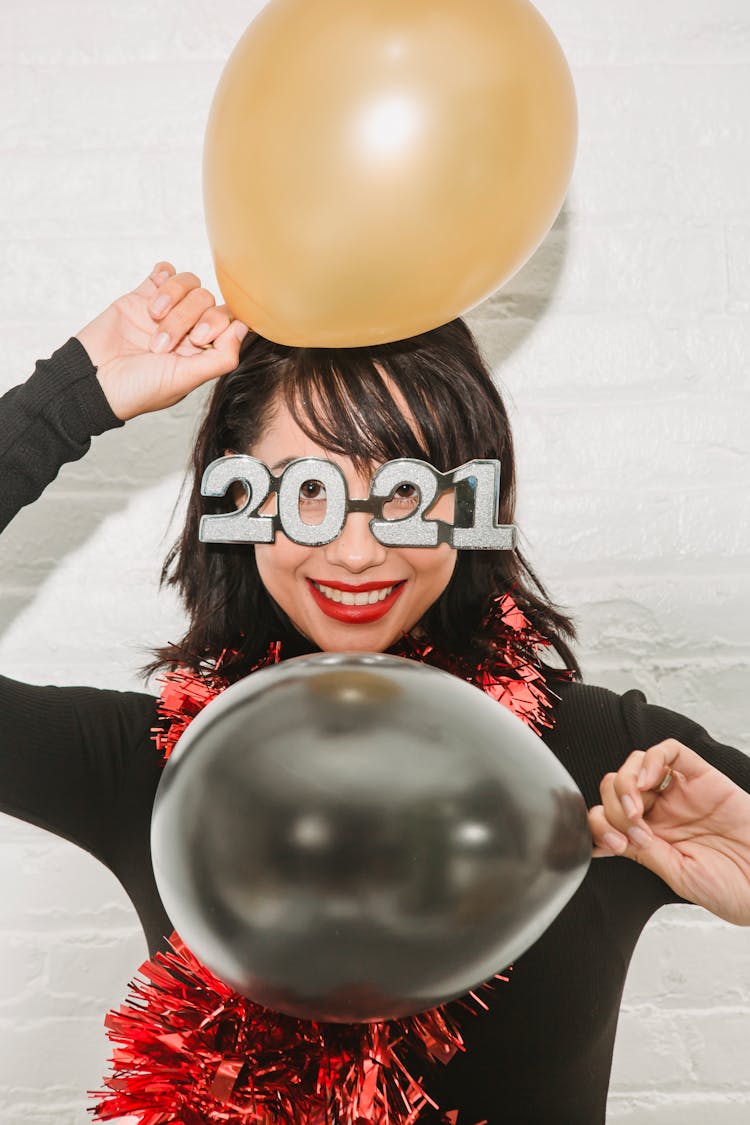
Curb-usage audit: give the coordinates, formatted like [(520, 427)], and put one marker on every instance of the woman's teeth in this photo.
[(368, 597)]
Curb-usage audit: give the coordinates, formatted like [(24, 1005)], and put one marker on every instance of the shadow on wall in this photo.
[(505, 320), (120, 463)]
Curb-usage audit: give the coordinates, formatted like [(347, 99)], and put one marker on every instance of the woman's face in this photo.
[(322, 589)]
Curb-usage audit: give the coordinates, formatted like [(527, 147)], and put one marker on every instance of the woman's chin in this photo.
[(351, 638), (339, 636)]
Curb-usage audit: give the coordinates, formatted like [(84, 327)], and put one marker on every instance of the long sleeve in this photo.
[(595, 731), (45, 756), (648, 724), (46, 421), (81, 763), (76, 761)]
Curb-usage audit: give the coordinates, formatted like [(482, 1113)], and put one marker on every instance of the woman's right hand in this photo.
[(154, 345)]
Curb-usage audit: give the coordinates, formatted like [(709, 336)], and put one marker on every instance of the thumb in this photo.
[(658, 856)]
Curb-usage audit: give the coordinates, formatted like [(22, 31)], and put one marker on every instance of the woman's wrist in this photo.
[(72, 373)]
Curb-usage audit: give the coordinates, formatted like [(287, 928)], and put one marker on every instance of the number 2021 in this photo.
[(474, 527)]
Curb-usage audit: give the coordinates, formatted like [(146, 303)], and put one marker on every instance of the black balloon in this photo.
[(354, 837)]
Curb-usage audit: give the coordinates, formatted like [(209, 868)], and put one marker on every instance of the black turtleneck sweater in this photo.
[(81, 763)]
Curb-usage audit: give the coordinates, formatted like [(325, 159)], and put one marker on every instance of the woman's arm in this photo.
[(135, 357), (77, 761), (46, 422)]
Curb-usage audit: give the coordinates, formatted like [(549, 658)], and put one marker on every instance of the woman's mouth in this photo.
[(356, 605)]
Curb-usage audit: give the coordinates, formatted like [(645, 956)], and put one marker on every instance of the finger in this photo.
[(171, 291), (657, 855), (614, 811), (670, 754), (161, 272), (633, 827), (181, 320), (610, 839), (211, 325), (607, 839), (218, 360), (625, 784)]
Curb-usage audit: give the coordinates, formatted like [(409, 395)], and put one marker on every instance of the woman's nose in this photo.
[(356, 548)]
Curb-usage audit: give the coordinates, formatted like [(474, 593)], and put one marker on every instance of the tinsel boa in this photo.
[(191, 1051)]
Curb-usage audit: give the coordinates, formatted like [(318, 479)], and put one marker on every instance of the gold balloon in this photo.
[(374, 168)]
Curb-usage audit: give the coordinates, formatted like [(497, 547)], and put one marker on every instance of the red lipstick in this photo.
[(356, 614)]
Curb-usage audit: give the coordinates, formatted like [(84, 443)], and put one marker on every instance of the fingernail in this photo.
[(241, 330), (200, 333), (159, 305), (161, 342), (639, 836), (641, 779), (162, 275), (629, 805), (615, 842)]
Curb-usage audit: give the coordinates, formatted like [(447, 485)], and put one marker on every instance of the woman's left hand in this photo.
[(695, 833)]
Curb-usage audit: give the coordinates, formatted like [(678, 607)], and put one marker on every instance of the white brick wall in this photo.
[(622, 347)]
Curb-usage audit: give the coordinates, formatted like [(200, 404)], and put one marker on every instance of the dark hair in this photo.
[(459, 416)]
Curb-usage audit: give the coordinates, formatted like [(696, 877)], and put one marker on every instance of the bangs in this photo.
[(343, 402)]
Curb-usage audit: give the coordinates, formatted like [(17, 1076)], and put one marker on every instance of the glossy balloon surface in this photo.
[(357, 837), (374, 169)]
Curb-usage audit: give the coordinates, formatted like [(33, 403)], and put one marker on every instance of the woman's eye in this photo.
[(407, 493), (312, 490), (401, 503), (312, 501)]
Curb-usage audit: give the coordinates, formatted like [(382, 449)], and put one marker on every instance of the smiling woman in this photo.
[(430, 397), (623, 348)]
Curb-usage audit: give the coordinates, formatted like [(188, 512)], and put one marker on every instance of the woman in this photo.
[(81, 762)]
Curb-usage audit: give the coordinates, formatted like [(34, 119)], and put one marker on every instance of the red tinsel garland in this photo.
[(191, 1051)]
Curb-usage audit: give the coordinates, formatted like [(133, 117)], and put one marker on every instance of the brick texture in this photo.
[(622, 349)]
